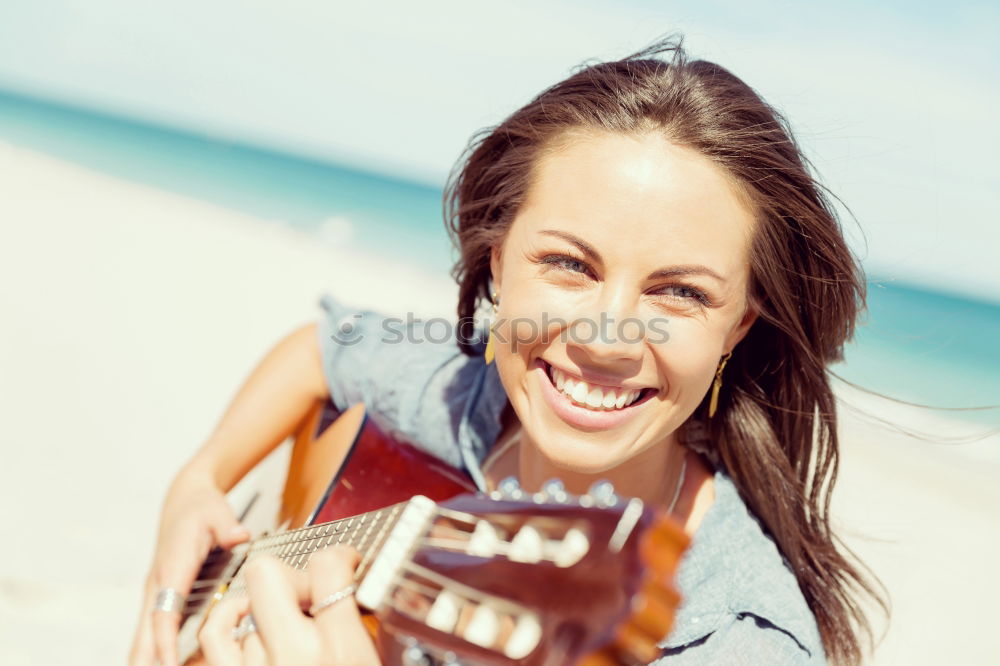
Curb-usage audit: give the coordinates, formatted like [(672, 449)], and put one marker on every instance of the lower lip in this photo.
[(581, 417)]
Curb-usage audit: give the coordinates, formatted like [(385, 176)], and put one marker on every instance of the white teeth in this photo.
[(594, 398)]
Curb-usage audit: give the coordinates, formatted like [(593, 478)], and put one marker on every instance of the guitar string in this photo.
[(287, 546), (307, 533), (365, 543), (267, 540), (295, 558), (236, 583), (364, 540)]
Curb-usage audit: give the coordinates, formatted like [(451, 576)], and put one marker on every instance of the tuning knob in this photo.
[(601, 493), (553, 490), (484, 540), (484, 627), (415, 656), (528, 545), (510, 488)]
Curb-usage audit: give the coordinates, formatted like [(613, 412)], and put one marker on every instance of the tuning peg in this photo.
[(554, 491), (571, 548), (525, 637), (444, 612), (528, 545), (484, 627), (484, 540), (510, 488), (601, 493), (415, 656)]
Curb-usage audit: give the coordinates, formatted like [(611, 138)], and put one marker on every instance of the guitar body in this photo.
[(352, 467)]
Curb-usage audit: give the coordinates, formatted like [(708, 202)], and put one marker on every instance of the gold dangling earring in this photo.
[(488, 354), (717, 385)]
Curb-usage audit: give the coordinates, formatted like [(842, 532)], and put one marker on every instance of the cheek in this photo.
[(688, 360), (533, 314)]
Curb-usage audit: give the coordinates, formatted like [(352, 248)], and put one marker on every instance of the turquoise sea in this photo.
[(929, 347)]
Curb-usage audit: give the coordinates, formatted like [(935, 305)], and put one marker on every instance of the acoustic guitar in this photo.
[(455, 577)]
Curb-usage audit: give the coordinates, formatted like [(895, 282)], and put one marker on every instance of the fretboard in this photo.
[(364, 532)]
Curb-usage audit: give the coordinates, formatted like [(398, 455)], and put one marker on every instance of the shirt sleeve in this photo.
[(410, 375), (747, 640)]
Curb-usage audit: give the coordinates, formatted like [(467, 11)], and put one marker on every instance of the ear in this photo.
[(496, 261), (743, 327)]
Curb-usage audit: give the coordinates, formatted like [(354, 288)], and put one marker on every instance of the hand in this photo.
[(195, 518), (285, 634)]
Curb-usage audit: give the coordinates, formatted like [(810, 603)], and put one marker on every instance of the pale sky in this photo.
[(895, 105)]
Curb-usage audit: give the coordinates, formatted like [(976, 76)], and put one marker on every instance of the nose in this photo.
[(609, 333)]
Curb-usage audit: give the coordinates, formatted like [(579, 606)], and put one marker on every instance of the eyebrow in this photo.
[(672, 271)]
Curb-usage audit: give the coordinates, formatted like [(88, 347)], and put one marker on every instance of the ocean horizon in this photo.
[(927, 346)]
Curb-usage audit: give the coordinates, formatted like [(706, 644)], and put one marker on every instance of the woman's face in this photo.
[(625, 272)]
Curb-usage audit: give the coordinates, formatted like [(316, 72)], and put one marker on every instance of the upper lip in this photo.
[(597, 379)]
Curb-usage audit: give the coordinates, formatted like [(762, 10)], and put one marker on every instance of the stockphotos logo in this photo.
[(350, 330)]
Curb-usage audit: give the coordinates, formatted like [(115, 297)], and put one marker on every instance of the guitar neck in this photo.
[(365, 532)]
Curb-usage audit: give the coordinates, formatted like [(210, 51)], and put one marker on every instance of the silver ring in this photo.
[(326, 602), (246, 627), (169, 600)]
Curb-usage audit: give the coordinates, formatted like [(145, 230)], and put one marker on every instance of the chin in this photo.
[(580, 456)]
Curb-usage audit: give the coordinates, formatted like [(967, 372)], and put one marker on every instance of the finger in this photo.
[(178, 569), (330, 571), (225, 528), (177, 574), (254, 653), (277, 611), (216, 635), (142, 651), (165, 625)]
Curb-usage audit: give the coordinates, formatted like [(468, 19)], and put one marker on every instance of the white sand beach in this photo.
[(129, 318)]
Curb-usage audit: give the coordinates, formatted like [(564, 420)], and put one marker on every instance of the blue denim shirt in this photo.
[(741, 602)]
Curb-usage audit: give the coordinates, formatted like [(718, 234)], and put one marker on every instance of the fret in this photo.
[(311, 546), (364, 532), (353, 539), (369, 554), (363, 541), (347, 528)]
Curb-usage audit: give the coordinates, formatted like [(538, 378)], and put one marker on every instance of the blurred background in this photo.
[(179, 182)]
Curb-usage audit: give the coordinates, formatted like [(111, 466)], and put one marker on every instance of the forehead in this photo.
[(639, 197)]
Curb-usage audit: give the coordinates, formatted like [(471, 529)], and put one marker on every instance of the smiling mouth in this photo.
[(593, 397)]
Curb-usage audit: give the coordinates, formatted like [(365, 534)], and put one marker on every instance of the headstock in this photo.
[(542, 578)]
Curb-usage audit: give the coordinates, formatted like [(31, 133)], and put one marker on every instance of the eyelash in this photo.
[(558, 261)]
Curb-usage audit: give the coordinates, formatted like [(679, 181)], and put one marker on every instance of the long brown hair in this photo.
[(776, 429)]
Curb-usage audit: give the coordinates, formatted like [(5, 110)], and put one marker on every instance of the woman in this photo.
[(668, 285)]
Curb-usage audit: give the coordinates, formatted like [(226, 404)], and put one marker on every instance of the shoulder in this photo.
[(414, 381), (741, 601)]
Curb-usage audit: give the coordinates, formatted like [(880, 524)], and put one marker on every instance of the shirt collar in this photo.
[(481, 421), (732, 568)]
